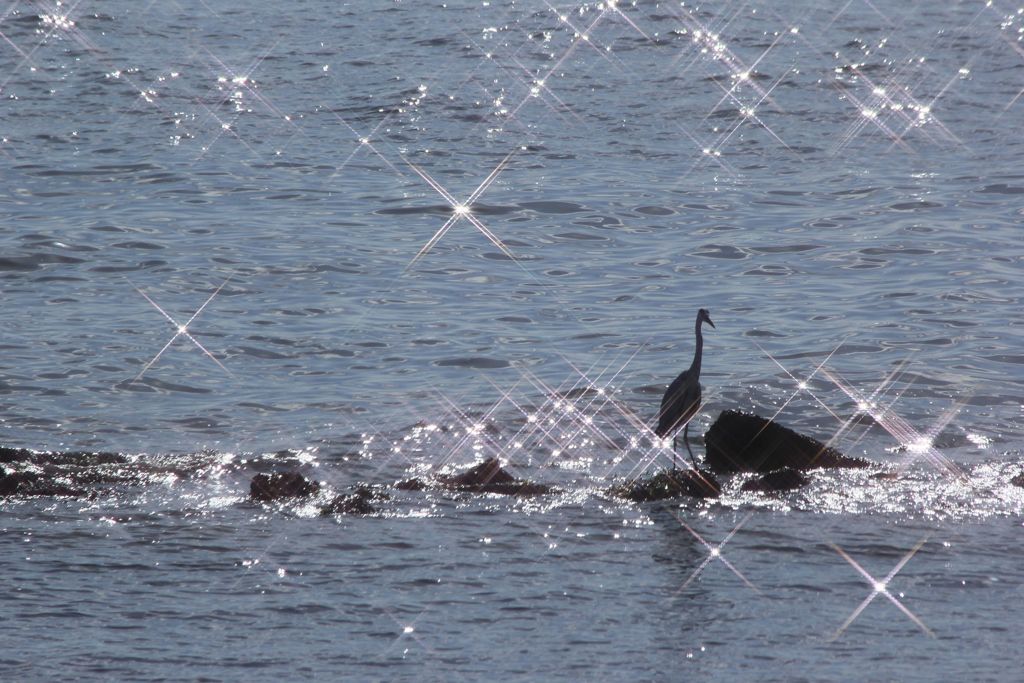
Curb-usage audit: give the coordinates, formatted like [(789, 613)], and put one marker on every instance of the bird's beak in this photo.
[(710, 323)]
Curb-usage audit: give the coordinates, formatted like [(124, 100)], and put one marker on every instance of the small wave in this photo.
[(655, 210), (722, 251), (475, 362), (552, 207), (150, 384), (1002, 188), (915, 206)]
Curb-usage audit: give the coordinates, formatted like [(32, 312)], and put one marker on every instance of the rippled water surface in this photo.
[(380, 240)]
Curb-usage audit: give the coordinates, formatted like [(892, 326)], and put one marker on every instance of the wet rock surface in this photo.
[(270, 487), (776, 481), (25, 472), (736, 442), (670, 484), (360, 502), (487, 477), (62, 458), (35, 484), (414, 484), (9, 455), (744, 442), (1018, 480)]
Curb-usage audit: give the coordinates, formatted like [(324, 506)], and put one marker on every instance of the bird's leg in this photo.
[(686, 441), (674, 440)]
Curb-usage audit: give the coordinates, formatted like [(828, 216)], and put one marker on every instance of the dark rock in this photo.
[(357, 503), (85, 458), (785, 479), (10, 482), (348, 505), (62, 458), (1018, 480), (372, 493), (741, 442), (485, 474), (670, 484), (267, 487), (60, 473), (487, 477), (33, 484), (517, 487), (9, 455), (414, 484)]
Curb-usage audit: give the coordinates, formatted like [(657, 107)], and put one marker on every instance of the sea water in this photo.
[(389, 239)]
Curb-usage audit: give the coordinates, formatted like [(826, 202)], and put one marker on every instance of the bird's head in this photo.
[(704, 317)]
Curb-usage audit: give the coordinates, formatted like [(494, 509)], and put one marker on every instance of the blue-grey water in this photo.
[(405, 236)]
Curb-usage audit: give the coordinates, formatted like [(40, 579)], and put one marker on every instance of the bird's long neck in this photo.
[(695, 365)]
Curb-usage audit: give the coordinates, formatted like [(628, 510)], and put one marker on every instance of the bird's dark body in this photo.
[(677, 405)]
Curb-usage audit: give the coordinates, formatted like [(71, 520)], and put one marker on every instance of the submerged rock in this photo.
[(268, 487), (414, 484), (1018, 480), (487, 477), (486, 473), (785, 479), (356, 503), (742, 442), (670, 484)]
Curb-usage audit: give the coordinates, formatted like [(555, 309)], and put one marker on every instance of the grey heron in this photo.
[(682, 398)]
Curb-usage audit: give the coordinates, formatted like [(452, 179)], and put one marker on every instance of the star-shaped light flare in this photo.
[(462, 209), (571, 411), (243, 79), (909, 438), (534, 85), (57, 20), (1020, 51), (803, 384), (881, 588), (748, 112), (474, 432), (711, 46), (181, 330), (892, 100), (406, 629), (365, 141), (714, 553), (581, 35), (223, 126), (231, 84)]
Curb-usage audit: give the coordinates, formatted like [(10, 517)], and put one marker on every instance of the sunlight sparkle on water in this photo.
[(921, 445), (979, 440), (880, 587), (60, 21), (181, 330)]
